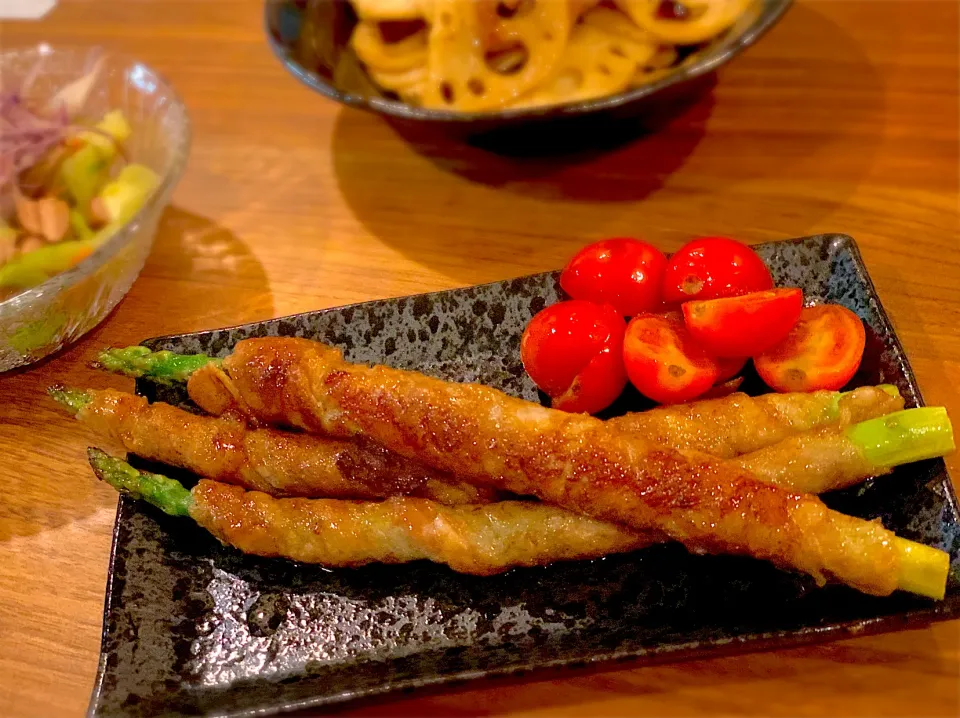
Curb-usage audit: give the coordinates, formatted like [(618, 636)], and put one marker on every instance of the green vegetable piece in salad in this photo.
[(83, 174), (86, 171), (37, 266), (113, 130), (79, 226), (125, 195)]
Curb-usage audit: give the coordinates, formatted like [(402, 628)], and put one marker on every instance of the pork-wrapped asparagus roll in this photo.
[(281, 463), (726, 427), (476, 539), (573, 461), (740, 424)]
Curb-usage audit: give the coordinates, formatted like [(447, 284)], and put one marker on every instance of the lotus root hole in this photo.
[(446, 91), (475, 85), (508, 60)]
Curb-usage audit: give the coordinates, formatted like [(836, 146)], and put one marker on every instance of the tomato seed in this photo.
[(795, 375), (692, 284)]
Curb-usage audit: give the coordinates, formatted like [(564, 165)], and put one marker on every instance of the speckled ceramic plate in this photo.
[(192, 627)]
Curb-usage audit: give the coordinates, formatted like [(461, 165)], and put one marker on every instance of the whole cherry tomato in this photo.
[(714, 267), (624, 273), (664, 363), (745, 325), (573, 351), (823, 351)]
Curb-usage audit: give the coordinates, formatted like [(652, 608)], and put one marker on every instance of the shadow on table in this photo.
[(213, 278), (702, 164), (232, 285)]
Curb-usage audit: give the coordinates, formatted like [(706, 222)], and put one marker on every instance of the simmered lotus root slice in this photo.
[(387, 10), (408, 84), (596, 64), (375, 53), (708, 18), (461, 79), (660, 65), (612, 23)]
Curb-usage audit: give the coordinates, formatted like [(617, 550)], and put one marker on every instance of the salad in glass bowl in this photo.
[(91, 145)]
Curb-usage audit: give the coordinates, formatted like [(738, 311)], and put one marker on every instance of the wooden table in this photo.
[(845, 118)]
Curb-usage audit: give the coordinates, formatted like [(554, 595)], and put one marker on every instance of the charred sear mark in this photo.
[(381, 471)]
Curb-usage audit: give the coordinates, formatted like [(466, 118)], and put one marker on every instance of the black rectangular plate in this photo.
[(193, 627)]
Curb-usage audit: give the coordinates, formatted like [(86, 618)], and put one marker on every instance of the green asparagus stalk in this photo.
[(164, 367), (165, 493), (904, 436)]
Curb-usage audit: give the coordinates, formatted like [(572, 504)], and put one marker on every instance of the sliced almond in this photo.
[(99, 214), (54, 218), (28, 213)]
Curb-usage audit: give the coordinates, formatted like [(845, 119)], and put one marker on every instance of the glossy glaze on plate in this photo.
[(193, 627), (327, 65)]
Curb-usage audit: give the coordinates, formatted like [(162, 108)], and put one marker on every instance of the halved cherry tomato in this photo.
[(745, 325), (573, 351), (664, 363), (823, 351), (714, 267), (624, 273)]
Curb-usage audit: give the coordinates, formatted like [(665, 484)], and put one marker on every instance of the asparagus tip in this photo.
[(72, 399), (120, 360), (165, 493), (163, 367)]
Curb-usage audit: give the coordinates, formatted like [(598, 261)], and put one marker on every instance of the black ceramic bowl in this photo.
[(311, 38)]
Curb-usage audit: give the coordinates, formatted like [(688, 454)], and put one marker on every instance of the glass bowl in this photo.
[(48, 317)]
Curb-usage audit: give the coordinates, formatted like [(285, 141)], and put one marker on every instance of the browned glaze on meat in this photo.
[(805, 462), (573, 461), (278, 462), (739, 424), (477, 539)]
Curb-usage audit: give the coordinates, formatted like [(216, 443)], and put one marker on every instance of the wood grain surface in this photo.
[(843, 119)]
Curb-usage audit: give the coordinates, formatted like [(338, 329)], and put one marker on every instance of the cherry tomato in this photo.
[(722, 389), (714, 267), (730, 367), (745, 325), (573, 351), (664, 363), (624, 273), (823, 351)]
